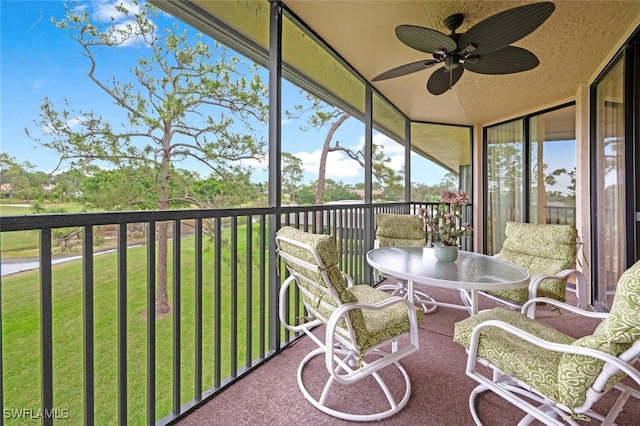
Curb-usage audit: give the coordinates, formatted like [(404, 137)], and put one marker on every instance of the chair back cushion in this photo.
[(614, 335), (399, 230), (540, 249), (322, 296), (622, 325), (325, 245)]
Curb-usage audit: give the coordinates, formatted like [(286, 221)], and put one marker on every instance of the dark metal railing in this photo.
[(223, 316), (560, 215)]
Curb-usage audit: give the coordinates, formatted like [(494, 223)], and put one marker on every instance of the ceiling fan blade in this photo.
[(405, 69), (443, 80), (425, 39), (504, 28), (509, 60)]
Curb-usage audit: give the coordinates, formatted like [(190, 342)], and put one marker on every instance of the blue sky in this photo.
[(38, 60)]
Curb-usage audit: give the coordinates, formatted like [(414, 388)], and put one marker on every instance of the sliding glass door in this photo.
[(609, 184), (552, 167), (504, 184), (531, 166)]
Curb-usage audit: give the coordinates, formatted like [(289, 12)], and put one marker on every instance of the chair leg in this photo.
[(320, 403), (505, 387), (472, 402)]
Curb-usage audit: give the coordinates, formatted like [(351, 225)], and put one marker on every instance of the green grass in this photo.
[(25, 207), (21, 334), (20, 244)]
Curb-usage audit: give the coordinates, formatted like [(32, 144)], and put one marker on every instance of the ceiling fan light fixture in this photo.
[(451, 62)]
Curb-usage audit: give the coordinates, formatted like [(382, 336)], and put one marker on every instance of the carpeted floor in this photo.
[(440, 388)]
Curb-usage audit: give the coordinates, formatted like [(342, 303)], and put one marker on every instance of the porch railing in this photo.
[(82, 339)]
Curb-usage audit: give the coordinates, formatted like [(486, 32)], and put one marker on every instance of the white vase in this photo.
[(446, 254)]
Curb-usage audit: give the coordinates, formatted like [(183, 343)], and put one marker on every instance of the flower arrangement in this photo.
[(446, 224)]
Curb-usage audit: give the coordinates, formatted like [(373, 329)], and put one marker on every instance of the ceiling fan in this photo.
[(484, 48)]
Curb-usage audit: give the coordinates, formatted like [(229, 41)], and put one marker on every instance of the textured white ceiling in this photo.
[(572, 46)]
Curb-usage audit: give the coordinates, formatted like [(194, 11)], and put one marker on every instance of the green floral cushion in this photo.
[(381, 325), (614, 335), (399, 230), (326, 248), (564, 378), (370, 327), (531, 364), (540, 249), (622, 325)]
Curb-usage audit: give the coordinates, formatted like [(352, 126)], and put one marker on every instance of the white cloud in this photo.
[(339, 165), (106, 11), (72, 123), (261, 165), (391, 149), (124, 30), (126, 34)]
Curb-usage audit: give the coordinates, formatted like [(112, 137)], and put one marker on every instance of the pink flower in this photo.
[(448, 197), (445, 221), (462, 198)]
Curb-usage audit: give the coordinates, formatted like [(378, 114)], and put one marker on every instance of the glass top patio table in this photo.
[(470, 273)]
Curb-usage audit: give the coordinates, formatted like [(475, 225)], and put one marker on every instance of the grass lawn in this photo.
[(21, 334), (22, 244), (22, 208)]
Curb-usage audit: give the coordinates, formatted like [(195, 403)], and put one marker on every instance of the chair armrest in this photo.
[(619, 363), (529, 308), (344, 310), (581, 285), (347, 279), (346, 307), (283, 302)]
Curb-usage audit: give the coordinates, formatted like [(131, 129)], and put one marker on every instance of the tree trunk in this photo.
[(162, 296), (322, 171)]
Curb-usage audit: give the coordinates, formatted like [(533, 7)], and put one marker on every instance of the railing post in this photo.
[(46, 325), (275, 175), (88, 308), (368, 181)]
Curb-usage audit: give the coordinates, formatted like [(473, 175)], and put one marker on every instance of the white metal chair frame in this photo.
[(343, 359), (549, 411), (581, 289)]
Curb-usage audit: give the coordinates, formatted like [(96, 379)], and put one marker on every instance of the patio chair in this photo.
[(361, 322), (402, 230), (548, 253), (553, 377)]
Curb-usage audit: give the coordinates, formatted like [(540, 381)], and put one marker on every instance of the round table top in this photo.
[(471, 271)]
